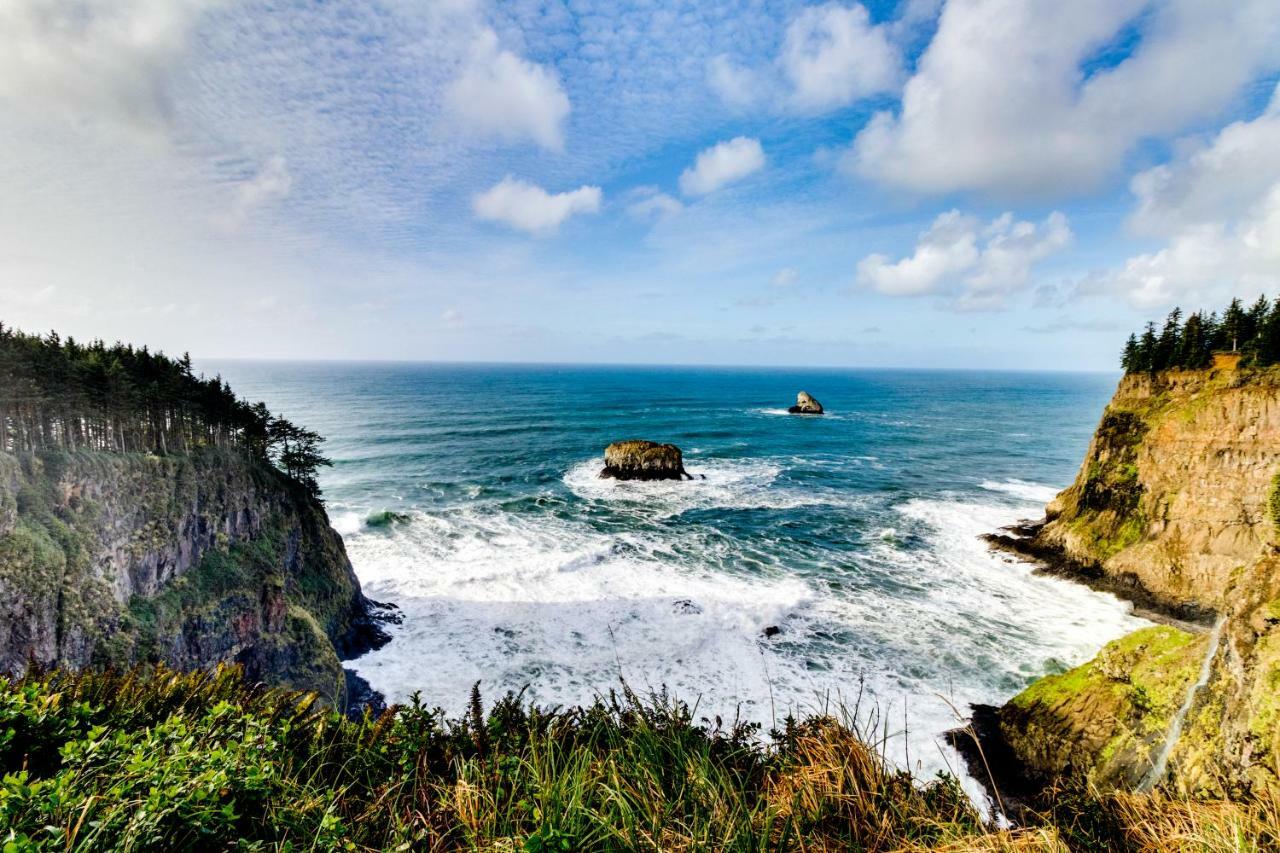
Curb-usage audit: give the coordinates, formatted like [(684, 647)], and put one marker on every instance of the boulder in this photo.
[(644, 460), (805, 405)]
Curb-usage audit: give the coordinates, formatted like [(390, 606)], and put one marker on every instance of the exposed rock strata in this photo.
[(1175, 507), (191, 559)]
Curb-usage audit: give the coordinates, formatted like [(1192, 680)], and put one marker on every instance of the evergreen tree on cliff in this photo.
[(63, 395)]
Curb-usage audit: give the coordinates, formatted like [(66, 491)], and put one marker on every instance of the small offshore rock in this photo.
[(772, 631), (805, 405), (644, 460)]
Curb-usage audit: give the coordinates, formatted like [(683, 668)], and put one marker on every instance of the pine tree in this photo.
[(1129, 358)]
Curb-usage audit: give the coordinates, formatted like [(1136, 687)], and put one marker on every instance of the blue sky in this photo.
[(968, 183)]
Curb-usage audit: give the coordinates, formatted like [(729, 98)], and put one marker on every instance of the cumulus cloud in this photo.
[(272, 182), (1213, 181), (503, 95), (833, 56), (1203, 263), (651, 203), (722, 164), (530, 208), (976, 265), (105, 59), (1002, 100), (1218, 207)]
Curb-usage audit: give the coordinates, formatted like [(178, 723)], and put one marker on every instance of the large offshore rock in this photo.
[(644, 460), (805, 405)]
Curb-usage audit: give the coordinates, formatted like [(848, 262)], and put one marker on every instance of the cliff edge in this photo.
[(1176, 508), (190, 559)]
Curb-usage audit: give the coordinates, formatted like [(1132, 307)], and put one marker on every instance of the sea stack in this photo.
[(805, 405), (643, 460)]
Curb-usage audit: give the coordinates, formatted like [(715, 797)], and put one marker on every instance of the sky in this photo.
[(926, 183)]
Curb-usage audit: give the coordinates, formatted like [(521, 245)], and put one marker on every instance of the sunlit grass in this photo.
[(161, 760)]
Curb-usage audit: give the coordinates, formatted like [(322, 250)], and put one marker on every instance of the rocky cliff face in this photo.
[(192, 559), (1175, 489), (1176, 505)]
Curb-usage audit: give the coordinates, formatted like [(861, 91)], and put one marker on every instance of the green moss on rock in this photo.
[(190, 559), (1103, 719)]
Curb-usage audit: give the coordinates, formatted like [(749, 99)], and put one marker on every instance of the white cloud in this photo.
[(531, 208), (652, 203), (1203, 264), (503, 95), (452, 318), (978, 266), (832, 56), (108, 59), (272, 182), (1000, 103), (1214, 181), (1218, 205), (722, 164), (785, 277), (737, 86)]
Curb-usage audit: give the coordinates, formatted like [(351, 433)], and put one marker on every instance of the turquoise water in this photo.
[(855, 533)]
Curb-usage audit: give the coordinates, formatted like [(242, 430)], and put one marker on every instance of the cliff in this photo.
[(190, 559), (1176, 507)]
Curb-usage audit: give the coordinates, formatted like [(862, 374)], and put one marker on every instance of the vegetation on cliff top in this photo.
[(202, 761), (62, 394), (1252, 332)]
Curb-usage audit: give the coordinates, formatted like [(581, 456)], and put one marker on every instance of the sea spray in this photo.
[(519, 566)]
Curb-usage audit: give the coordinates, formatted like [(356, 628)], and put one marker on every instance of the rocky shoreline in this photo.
[(366, 634), (1022, 541)]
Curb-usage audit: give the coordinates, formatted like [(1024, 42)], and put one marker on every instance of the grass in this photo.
[(153, 759)]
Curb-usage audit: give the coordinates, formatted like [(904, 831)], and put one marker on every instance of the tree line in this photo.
[(62, 394), (1189, 344)]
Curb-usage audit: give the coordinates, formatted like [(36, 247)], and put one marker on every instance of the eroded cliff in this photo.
[(1175, 506), (189, 559)]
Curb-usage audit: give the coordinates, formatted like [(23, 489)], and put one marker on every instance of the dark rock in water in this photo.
[(684, 605), (359, 696), (365, 632), (805, 405), (1014, 790), (772, 631), (644, 460)]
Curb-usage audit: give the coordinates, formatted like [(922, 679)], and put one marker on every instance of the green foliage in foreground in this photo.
[(165, 761), (198, 761)]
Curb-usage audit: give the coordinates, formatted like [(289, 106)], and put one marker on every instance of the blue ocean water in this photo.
[(855, 532)]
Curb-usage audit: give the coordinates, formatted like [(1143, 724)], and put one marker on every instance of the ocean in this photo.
[(468, 496)]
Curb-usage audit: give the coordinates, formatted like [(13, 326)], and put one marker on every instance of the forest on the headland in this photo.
[(60, 394), (1253, 333)]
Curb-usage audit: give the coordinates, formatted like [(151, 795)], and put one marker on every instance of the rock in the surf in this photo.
[(643, 460), (805, 405)]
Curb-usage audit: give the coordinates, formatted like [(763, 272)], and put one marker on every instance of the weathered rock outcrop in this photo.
[(644, 460), (805, 405), (1176, 506), (190, 559)]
